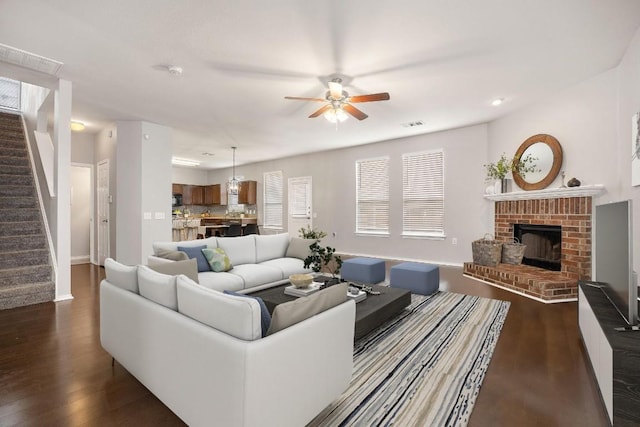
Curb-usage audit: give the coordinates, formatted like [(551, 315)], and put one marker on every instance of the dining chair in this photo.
[(250, 229), (234, 230)]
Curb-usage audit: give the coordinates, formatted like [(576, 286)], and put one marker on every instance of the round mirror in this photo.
[(546, 151)]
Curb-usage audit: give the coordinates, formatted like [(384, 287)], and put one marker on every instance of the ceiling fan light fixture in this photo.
[(336, 115), (335, 88)]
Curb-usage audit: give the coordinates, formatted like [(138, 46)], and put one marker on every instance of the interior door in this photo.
[(300, 204), (103, 211)]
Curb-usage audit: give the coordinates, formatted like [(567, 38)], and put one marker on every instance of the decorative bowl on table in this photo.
[(301, 280)]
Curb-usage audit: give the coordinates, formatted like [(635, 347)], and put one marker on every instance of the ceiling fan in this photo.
[(338, 102)]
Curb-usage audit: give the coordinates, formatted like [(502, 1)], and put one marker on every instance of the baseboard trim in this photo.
[(83, 259), (448, 264), (66, 297), (513, 291)]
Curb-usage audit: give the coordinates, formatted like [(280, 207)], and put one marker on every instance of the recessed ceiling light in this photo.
[(77, 126), (206, 153), (174, 70), (497, 101)]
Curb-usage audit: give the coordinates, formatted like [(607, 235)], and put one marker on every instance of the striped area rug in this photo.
[(423, 367)]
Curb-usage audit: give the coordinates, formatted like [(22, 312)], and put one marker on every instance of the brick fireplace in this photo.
[(568, 208)]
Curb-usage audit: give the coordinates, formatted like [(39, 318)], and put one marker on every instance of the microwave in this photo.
[(176, 200)]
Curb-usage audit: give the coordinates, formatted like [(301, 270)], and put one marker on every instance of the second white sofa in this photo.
[(259, 261)]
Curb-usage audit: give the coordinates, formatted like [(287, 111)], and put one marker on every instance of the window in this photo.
[(272, 200), (9, 94), (372, 196), (423, 194)]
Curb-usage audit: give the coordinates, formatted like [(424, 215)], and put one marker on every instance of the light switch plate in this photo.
[(146, 215), (159, 215)]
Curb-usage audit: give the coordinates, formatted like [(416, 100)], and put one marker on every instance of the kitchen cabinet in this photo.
[(192, 195), (247, 192), (176, 188), (213, 195)]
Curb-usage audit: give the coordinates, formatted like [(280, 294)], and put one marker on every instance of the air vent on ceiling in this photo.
[(29, 60), (413, 124)]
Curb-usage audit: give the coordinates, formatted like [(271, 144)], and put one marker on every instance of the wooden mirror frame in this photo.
[(556, 149)]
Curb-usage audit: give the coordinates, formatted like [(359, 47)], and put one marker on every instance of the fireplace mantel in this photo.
[(549, 193)]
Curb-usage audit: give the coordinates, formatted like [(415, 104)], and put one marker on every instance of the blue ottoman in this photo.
[(417, 277), (363, 270)]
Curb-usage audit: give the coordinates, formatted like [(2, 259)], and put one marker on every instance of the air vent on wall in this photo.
[(413, 124), (29, 60)]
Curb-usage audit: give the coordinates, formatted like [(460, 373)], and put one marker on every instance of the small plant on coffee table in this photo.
[(321, 258)]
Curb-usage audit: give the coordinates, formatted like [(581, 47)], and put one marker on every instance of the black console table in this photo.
[(614, 355)]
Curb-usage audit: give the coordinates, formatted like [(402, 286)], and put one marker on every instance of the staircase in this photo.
[(25, 266)]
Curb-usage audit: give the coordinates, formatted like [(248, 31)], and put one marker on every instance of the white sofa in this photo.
[(200, 352), (259, 261)]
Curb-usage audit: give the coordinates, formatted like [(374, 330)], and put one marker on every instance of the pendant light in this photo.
[(233, 184)]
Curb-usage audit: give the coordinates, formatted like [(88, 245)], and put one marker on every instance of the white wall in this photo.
[(82, 147), (191, 176), (333, 173), (143, 158)]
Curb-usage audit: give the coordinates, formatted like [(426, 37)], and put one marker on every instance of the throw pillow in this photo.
[(217, 259), (123, 276), (292, 312), (172, 255), (188, 267), (299, 248), (157, 287), (196, 252), (265, 316)]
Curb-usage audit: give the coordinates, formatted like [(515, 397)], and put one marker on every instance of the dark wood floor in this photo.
[(54, 372)]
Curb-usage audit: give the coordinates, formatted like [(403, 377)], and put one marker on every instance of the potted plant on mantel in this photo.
[(321, 258), (500, 169)]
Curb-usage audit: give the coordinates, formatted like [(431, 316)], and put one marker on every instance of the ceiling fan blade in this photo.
[(320, 111), (297, 98), (384, 96), (335, 89), (354, 112)]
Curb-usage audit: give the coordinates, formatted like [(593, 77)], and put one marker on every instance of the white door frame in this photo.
[(92, 255), (103, 213)]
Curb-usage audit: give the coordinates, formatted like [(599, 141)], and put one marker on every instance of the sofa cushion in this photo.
[(271, 246), (265, 316), (257, 274), (221, 281), (299, 248), (157, 287), (292, 312), (209, 242), (196, 252), (235, 316), (217, 259), (188, 267), (241, 250), (122, 276), (172, 255), (288, 266)]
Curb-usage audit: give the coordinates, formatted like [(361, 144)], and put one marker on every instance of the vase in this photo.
[(497, 187), (504, 185)]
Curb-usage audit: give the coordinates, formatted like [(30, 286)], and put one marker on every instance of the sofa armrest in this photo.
[(155, 260)]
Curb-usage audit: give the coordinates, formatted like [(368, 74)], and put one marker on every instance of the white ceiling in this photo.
[(442, 61)]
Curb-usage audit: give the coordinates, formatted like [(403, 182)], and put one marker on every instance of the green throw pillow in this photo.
[(217, 259)]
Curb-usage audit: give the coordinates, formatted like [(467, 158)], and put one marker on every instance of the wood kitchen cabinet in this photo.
[(247, 192), (213, 195), (176, 188), (192, 195)]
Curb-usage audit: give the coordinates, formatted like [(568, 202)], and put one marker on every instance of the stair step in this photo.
[(21, 228), (16, 170), (8, 202), (12, 142), (16, 215), (17, 191), (18, 276), (11, 179), (24, 258), (23, 243), (27, 294), (13, 161), (14, 152)]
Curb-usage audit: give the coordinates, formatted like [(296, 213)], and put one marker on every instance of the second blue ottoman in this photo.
[(417, 277), (363, 270)]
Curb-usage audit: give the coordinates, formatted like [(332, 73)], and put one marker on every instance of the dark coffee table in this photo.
[(370, 313)]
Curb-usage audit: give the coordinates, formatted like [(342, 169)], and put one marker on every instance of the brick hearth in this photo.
[(573, 215)]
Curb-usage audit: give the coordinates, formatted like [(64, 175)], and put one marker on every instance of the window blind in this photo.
[(272, 199), (372, 196), (299, 202), (423, 194)]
